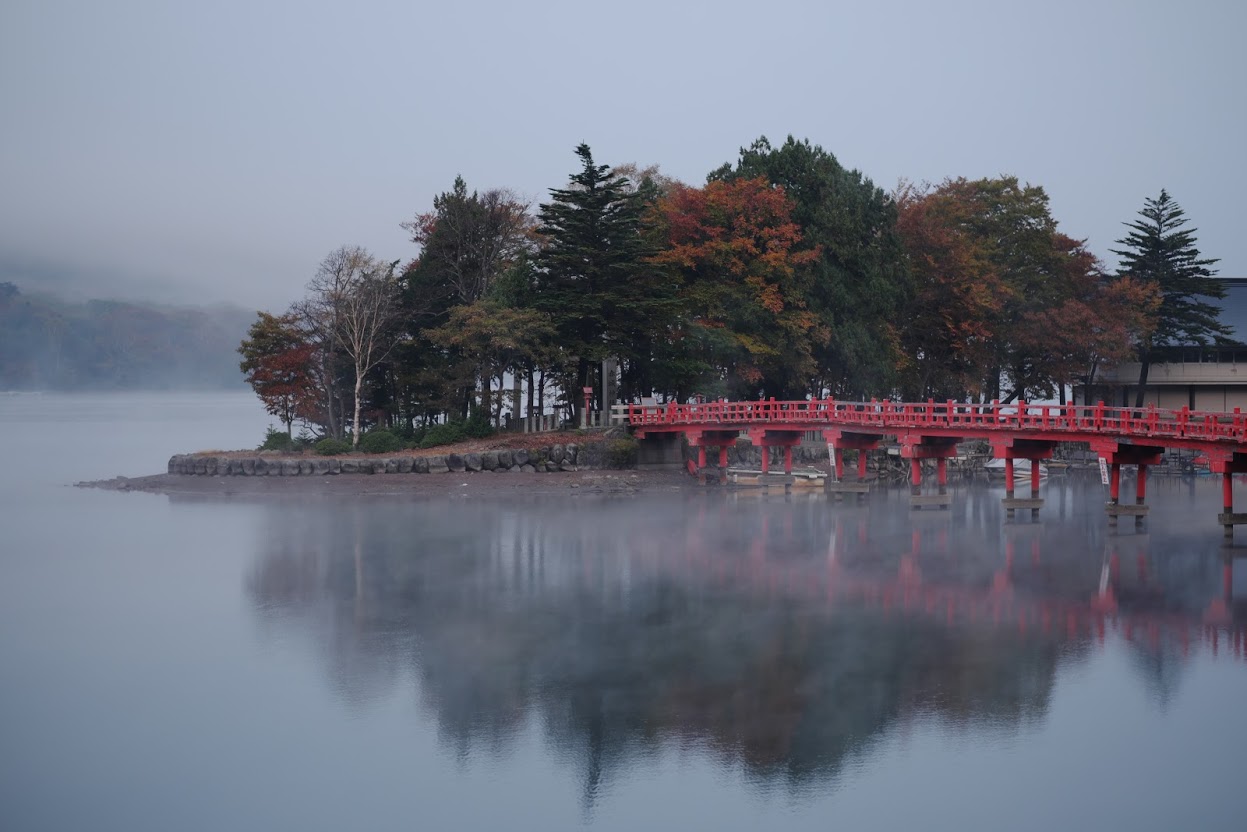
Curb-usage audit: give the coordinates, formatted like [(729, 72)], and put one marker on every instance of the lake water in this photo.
[(666, 661)]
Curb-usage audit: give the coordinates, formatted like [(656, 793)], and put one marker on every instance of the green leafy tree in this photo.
[(468, 242), (1161, 251), (858, 283), (491, 338)]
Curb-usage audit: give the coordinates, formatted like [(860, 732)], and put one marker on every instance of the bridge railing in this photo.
[(1146, 421)]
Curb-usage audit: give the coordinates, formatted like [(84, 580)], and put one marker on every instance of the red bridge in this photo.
[(932, 430)]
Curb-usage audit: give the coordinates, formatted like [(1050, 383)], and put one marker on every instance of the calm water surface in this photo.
[(696, 660)]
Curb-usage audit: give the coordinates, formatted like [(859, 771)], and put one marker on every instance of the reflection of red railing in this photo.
[(996, 604), (889, 416), (852, 570)]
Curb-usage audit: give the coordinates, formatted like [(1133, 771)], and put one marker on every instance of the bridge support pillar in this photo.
[(1227, 502), (1035, 471), (1118, 453), (717, 438), (916, 448), (1227, 463), (839, 439), (1012, 448), (767, 438)]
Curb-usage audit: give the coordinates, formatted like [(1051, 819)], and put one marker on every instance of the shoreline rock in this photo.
[(555, 457)]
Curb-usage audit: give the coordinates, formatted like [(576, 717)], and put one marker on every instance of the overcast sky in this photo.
[(217, 151)]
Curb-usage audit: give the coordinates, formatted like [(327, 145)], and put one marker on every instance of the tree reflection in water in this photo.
[(782, 635)]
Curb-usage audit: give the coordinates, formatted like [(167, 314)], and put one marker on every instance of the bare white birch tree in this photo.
[(355, 296)]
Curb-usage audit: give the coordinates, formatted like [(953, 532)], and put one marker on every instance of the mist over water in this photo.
[(700, 659)]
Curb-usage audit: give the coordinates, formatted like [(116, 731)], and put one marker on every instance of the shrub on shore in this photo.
[(278, 440), (478, 427), (447, 433), (380, 441), (621, 452), (331, 447)]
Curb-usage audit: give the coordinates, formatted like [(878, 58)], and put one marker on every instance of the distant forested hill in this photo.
[(51, 344)]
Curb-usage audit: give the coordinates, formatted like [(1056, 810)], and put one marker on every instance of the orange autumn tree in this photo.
[(957, 301), (744, 329)]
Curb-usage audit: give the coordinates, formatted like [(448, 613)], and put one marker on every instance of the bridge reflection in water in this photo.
[(783, 635)]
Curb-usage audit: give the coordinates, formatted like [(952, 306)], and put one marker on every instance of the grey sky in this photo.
[(217, 151)]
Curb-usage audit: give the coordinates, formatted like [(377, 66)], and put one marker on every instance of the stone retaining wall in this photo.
[(568, 457)]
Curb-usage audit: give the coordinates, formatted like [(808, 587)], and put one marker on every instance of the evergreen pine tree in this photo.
[(592, 275), (1160, 251)]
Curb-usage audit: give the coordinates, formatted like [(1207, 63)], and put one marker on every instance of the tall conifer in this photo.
[(1160, 251), (592, 270)]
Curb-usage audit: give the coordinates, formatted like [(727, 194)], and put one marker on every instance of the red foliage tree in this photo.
[(279, 364)]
